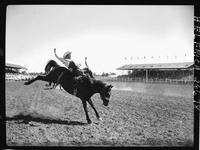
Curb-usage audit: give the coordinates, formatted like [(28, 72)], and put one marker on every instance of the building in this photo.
[(161, 70), (13, 68)]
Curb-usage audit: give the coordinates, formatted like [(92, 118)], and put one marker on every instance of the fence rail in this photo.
[(126, 79)]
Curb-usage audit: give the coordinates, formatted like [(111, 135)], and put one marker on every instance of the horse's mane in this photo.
[(99, 83)]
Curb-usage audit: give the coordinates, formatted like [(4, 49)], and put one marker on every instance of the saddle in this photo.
[(82, 79)]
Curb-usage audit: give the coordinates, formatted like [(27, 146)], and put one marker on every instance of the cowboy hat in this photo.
[(66, 54)]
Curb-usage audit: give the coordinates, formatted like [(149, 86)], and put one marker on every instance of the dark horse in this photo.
[(84, 91), (52, 65)]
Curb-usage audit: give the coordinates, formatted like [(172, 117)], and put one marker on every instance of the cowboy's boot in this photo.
[(91, 82), (75, 87), (75, 91)]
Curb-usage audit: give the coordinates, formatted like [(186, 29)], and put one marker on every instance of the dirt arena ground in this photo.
[(41, 117)]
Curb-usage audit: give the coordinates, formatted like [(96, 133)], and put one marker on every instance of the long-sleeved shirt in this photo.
[(64, 61), (70, 65)]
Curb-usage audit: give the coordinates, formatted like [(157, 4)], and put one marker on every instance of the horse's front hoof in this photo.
[(100, 119)]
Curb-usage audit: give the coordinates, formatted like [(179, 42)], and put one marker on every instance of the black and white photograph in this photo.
[(99, 75)]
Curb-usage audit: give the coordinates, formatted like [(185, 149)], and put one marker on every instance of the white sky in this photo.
[(103, 34)]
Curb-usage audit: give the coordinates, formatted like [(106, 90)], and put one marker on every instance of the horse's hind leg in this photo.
[(48, 84), (43, 78), (54, 85), (58, 80), (92, 105)]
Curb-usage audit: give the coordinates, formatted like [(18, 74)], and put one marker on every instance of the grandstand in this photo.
[(13, 68), (16, 72), (162, 71)]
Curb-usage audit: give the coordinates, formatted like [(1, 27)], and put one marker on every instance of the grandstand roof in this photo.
[(157, 66), (14, 66)]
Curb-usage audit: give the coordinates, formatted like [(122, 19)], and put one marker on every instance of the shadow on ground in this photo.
[(27, 118)]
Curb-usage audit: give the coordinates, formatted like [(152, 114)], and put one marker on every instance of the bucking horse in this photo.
[(84, 91)]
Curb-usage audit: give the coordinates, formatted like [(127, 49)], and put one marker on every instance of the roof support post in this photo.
[(147, 75)]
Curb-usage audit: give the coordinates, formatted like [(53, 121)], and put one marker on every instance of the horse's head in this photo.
[(105, 94)]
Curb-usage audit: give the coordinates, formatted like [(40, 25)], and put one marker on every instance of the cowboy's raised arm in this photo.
[(56, 54), (60, 58)]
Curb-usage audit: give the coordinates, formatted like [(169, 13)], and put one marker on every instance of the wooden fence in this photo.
[(156, 80)]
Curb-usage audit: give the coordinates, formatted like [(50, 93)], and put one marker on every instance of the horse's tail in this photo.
[(50, 64)]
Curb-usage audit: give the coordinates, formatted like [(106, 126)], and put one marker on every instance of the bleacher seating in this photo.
[(18, 76)]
